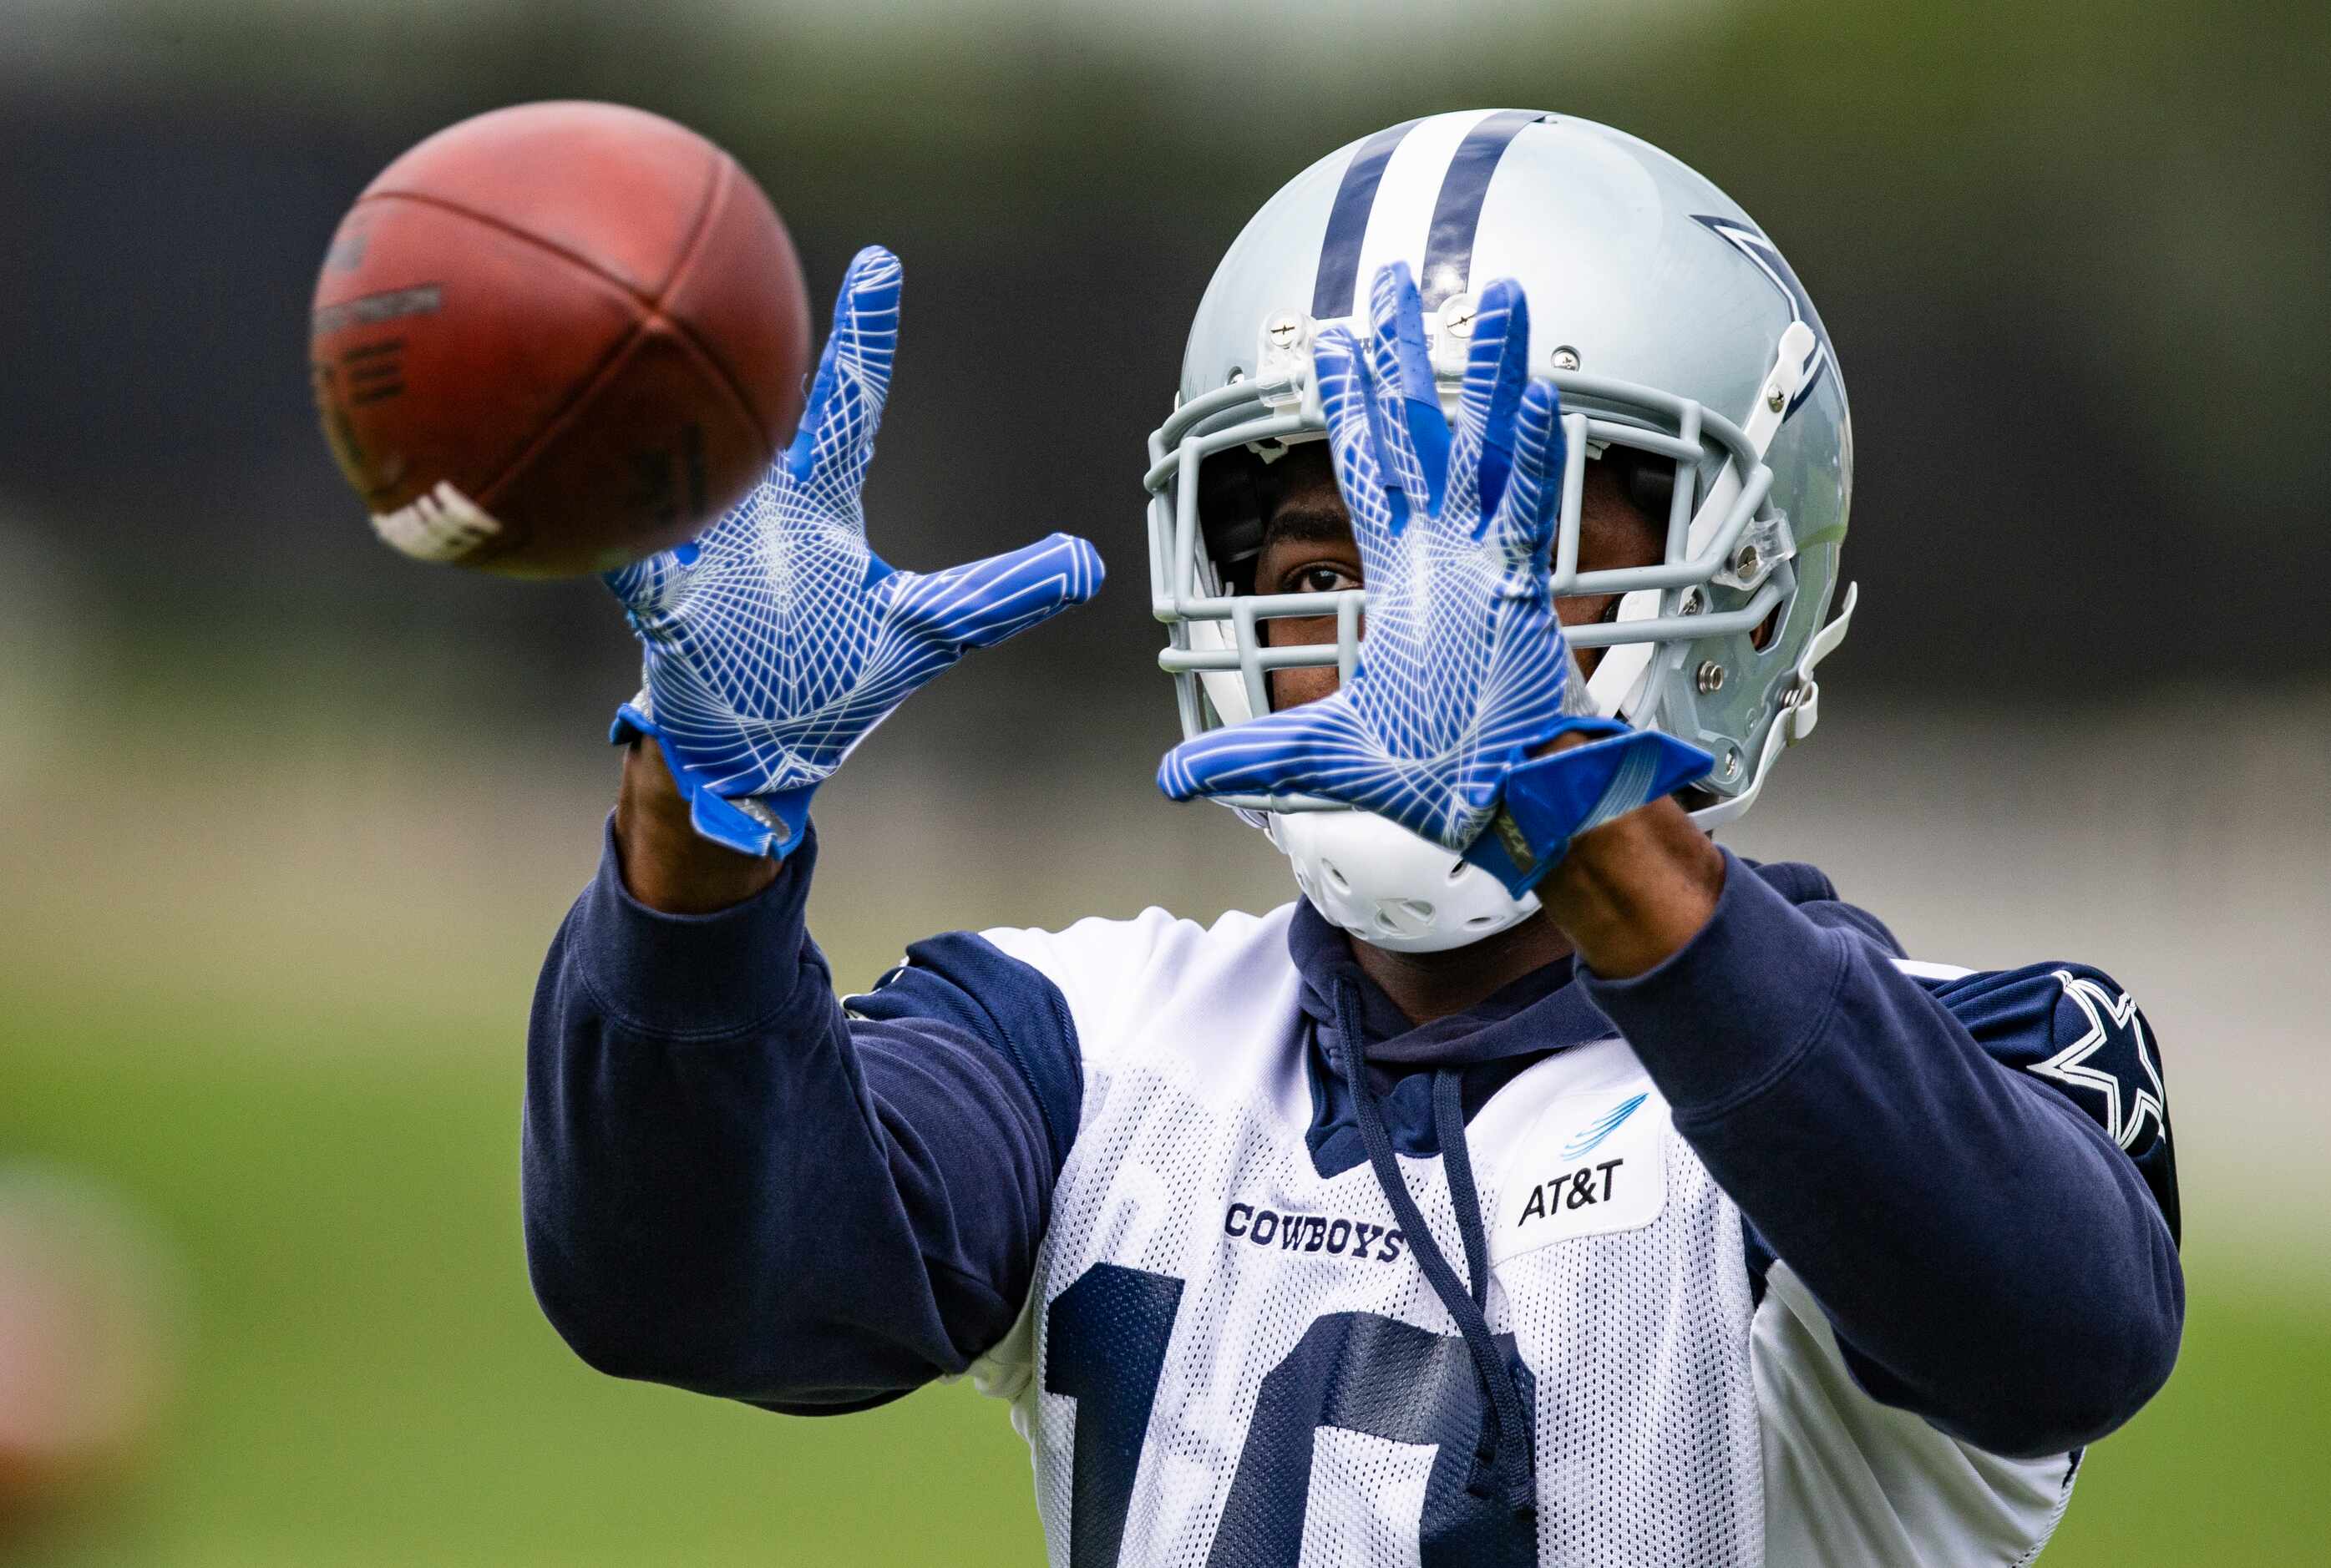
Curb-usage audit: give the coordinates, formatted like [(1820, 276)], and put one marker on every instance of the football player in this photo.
[(1543, 1184)]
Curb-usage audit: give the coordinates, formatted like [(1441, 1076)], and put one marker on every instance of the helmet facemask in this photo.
[(1713, 643)]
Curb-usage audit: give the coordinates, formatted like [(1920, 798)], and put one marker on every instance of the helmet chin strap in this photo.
[(1622, 681)]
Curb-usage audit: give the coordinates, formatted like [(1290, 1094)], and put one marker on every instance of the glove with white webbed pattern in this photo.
[(1462, 674), (778, 639)]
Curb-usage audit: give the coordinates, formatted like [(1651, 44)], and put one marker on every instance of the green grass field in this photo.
[(370, 1381)]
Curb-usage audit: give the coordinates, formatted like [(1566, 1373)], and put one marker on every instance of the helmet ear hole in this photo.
[(1762, 638)]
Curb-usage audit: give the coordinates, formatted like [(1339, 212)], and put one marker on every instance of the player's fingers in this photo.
[(1297, 751), (1533, 500), (1339, 366), (1497, 367), (981, 603), (853, 373), (1412, 436)]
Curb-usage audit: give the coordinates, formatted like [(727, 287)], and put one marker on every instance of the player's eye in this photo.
[(1321, 577)]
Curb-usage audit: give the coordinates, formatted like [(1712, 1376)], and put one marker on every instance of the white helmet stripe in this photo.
[(1413, 193), (1405, 198), (1457, 210)]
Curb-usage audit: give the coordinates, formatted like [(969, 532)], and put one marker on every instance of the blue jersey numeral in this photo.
[(1105, 1348), (1106, 1339)]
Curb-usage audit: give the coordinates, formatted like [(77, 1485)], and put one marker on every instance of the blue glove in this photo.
[(778, 639), (1462, 669)]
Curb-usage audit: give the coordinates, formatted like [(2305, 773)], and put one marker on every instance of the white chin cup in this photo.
[(1389, 887)]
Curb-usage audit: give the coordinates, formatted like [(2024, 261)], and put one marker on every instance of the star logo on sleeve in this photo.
[(2114, 1060)]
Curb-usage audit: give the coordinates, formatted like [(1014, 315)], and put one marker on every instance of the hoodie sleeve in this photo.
[(1971, 1173), (734, 1186)]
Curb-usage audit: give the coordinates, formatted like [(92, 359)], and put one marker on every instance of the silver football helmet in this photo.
[(1682, 343)]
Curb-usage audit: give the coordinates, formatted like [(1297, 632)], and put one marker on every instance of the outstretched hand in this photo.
[(1462, 670), (778, 639)]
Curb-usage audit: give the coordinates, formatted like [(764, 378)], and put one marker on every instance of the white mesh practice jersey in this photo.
[(1229, 1359)]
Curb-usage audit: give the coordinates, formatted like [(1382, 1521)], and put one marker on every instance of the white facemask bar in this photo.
[(1215, 653), (1622, 681)]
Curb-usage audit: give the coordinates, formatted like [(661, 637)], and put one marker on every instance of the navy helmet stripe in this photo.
[(1348, 223), (1456, 213)]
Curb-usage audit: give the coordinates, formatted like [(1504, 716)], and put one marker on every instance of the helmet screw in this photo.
[(1711, 676), (1566, 358), (1772, 398), (1285, 329), (1457, 313), (1730, 767), (1746, 560)]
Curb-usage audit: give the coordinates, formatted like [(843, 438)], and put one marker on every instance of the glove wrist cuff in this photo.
[(1548, 800), (770, 824)]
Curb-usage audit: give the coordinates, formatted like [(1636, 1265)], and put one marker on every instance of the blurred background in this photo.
[(288, 819)]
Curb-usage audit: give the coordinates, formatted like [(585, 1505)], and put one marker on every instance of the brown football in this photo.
[(556, 337)]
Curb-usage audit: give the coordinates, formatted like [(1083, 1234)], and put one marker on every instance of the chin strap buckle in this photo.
[(1802, 707)]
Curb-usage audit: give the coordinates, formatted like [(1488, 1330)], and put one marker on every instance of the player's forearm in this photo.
[(1942, 1208), (732, 1187), (1633, 891), (667, 864)]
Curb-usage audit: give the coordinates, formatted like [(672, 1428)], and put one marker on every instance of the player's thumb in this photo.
[(981, 603), (1264, 756), (646, 585)]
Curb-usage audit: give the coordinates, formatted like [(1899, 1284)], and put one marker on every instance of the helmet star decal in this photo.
[(1767, 259)]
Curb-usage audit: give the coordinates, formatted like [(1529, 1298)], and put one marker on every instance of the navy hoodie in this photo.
[(737, 1184)]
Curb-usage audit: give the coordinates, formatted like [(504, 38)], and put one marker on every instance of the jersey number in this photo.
[(1105, 1347)]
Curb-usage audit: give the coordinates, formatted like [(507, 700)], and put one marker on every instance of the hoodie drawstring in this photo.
[(1456, 1155), (1505, 1439)]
